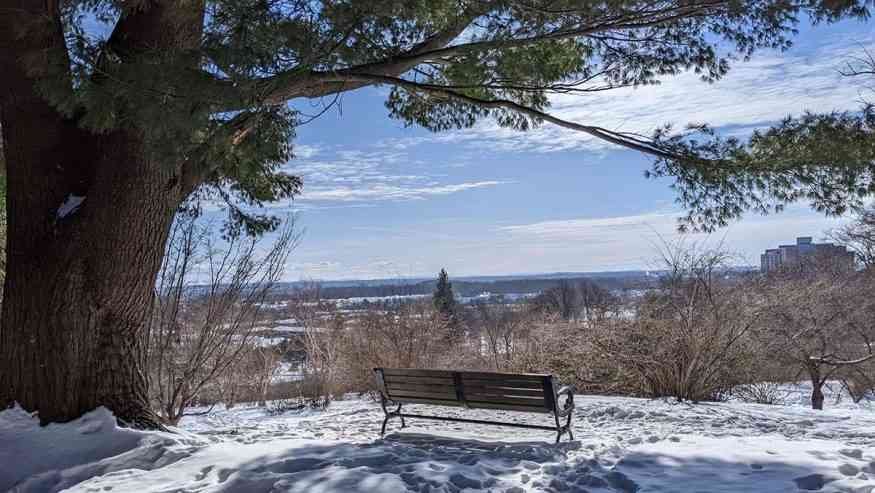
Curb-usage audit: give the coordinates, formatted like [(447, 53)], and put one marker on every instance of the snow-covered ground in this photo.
[(621, 445)]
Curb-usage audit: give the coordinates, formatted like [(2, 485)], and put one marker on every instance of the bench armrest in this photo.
[(568, 406)]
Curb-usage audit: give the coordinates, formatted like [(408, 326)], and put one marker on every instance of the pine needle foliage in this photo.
[(220, 95)]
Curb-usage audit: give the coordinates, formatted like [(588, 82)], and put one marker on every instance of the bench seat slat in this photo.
[(419, 380), (508, 407), (437, 402), (389, 372), (392, 386), (421, 394), (502, 376), (518, 384), (523, 401), (470, 389)]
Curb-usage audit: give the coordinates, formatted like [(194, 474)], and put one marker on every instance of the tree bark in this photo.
[(80, 279), (817, 397), (77, 296)]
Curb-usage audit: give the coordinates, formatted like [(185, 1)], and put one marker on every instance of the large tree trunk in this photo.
[(78, 290), (80, 281)]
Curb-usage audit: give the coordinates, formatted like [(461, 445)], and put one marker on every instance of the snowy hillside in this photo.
[(622, 445)]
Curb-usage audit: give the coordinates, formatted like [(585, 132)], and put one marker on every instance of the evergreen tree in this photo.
[(445, 303), (443, 298), (118, 114)]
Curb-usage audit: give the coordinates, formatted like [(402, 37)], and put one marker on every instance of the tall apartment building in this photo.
[(805, 252)]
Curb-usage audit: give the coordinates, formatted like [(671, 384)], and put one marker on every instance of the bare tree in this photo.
[(503, 328), (562, 300), (254, 372), (820, 322), (577, 300), (198, 332), (687, 339)]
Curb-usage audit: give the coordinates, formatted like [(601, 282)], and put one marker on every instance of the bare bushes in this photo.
[(323, 379), (771, 393), (686, 339), (412, 335), (321, 334), (859, 381), (503, 332), (341, 348), (208, 297)]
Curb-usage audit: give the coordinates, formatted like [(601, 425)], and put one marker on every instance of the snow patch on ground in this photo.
[(621, 445), (53, 457)]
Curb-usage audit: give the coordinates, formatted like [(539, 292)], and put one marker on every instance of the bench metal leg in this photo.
[(566, 428), (390, 415)]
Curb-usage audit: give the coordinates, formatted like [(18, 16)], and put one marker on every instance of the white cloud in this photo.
[(628, 242), (313, 269), (371, 174), (306, 151), (391, 192), (589, 228)]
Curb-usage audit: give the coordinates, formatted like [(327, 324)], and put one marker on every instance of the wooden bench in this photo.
[(524, 392)]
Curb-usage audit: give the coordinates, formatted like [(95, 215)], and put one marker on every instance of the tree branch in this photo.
[(297, 83), (623, 139), (826, 360)]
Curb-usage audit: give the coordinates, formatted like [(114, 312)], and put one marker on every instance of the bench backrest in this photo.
[(528, 392)]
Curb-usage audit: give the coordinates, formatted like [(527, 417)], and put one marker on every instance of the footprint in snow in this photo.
[(203, 473), (813, 482), (462, 481), (849, 469), (853, 453)]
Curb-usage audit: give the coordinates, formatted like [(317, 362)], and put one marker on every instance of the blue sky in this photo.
[(383, 200)]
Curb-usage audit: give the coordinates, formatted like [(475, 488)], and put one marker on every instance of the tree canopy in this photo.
[(826, 159), (207, 83)]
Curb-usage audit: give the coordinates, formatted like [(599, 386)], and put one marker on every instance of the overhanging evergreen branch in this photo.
[(298, 83), (623, 139)]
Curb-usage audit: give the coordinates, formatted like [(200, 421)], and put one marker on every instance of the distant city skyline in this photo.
[(382, 200)]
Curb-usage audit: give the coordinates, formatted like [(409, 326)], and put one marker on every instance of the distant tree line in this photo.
[(473, 288)]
